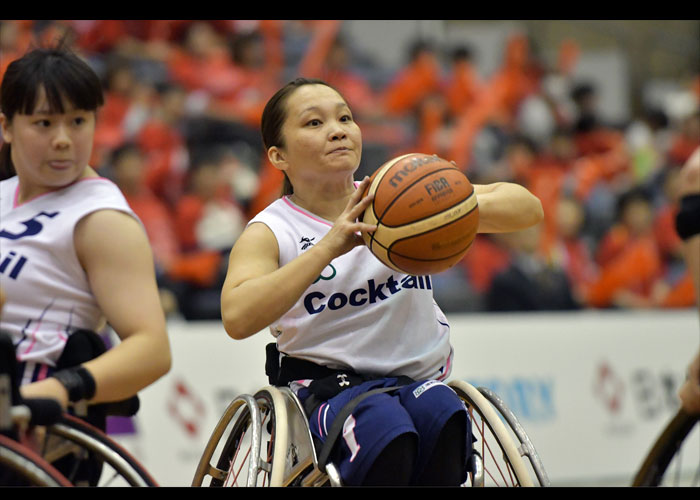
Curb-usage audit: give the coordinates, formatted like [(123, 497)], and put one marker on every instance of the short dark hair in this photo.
[(61, 73), (274, 115)]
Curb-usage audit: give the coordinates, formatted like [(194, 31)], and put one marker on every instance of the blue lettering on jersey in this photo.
[(13, 264), (31, 227), (314, 301)]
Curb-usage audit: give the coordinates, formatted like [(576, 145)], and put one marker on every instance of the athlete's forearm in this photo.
[(148, 353), (255, 304), (506, 207)]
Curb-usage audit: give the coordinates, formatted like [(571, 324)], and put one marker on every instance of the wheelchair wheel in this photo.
[(499, 457), (261, 440), (78, 446), (674, 458), (20, 466), (254, 441)]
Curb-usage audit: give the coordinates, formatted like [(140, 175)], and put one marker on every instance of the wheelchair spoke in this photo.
[(496, 468)]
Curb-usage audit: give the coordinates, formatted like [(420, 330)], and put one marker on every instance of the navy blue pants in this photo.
[(421, 409)]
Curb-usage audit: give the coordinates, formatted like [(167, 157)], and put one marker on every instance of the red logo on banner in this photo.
[(186, 408), (609, 388)]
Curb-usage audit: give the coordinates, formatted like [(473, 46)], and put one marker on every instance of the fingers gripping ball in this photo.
[(425, 211)]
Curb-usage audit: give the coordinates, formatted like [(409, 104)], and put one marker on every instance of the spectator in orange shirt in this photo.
[(570, 249), (338, 72), (418, 79), (463, 84), (162, 139), (254, 81), (206, 218), (207, 224), (15, 38), (202, 62), (128, 102), (628, 256)]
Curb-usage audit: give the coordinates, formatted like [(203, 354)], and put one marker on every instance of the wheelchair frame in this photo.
[(275, 417), (62, 435)]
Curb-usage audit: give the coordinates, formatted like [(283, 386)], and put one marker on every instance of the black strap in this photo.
[(688, 216), (339, 422)]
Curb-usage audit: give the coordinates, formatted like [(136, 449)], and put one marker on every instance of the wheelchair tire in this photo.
[(654, 470), (20, 466), (103, 449), (254, 452)]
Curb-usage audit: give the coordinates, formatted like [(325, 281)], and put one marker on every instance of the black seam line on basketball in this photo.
[(428, 231), (386, 209), (441, 211), (389, 252), (372, 239)]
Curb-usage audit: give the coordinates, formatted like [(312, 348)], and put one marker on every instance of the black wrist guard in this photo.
[(78, 382), (688, 218)]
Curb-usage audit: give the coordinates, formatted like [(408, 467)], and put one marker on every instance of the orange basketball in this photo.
[(426, 214)]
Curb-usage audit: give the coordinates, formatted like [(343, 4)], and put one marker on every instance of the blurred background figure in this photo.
[(529, 283)]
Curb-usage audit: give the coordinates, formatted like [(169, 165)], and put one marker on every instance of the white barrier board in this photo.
[(592, 389)]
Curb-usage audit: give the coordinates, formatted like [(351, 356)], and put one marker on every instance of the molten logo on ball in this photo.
[(410, 166)]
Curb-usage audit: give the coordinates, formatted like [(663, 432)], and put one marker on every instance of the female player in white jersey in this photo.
[(344, 323), (72, 253)]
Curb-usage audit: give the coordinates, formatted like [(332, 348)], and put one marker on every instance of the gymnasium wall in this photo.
[(592, 389)]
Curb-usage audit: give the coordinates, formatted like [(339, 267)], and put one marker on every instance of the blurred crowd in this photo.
[(179, 134)]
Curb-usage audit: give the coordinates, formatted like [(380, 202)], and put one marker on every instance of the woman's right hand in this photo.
[(345, 233)]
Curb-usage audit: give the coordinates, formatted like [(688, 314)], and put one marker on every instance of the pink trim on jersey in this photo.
[(447, 368), (31, 346), (14, 199), (304, 212)]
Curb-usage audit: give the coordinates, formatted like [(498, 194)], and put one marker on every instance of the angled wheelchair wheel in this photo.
[(246, 442), (260, 440), (20, 466), (88, 457), (674, 458), (498, 451)]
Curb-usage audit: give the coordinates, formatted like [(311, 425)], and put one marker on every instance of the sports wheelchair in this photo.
[(41, 445), (264, 440)]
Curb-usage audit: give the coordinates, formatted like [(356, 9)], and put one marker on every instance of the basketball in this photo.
[(425, 211)]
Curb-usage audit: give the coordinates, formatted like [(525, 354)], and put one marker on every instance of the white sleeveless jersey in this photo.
[(48, 295), (359, 313)]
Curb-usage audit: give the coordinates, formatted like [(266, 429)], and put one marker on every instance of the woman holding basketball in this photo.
[(72, 253), (344, 322)]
